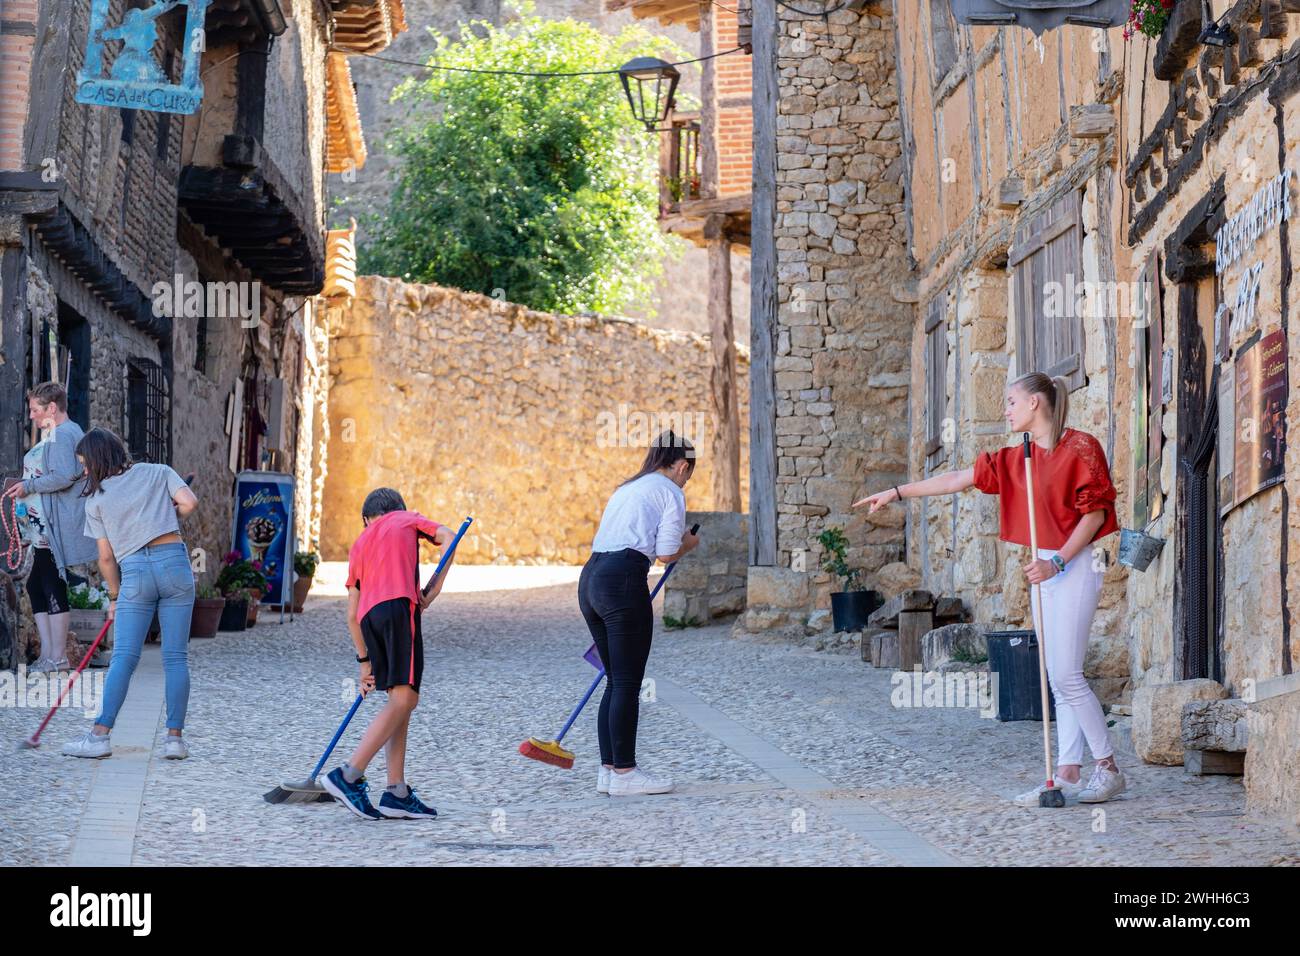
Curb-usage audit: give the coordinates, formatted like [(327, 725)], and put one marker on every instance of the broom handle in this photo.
[(1038, 603), (337, 734), (80, 667), (446, 554), (695, 529)]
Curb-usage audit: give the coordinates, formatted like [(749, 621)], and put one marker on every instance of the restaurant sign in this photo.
[(135, 79)]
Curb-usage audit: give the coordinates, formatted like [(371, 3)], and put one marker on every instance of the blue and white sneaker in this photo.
[(405, 808), (354, 796)]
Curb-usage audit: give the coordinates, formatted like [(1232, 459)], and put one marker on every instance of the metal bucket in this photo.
[(1137, 549)]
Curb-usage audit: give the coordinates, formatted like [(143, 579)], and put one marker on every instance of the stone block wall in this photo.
[(843, 342), (710, 581), (525, 420)]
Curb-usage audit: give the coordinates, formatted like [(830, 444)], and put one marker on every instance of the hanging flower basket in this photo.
[(1137, 549), (1148, 17)]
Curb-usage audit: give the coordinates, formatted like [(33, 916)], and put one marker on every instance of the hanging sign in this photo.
[(1040, 15), (134, 79), (1259, 435)]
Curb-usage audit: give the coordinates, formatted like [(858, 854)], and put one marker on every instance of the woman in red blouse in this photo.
[(1075, 503)]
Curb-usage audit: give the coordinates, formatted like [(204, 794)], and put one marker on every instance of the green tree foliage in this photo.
[(543, 188)]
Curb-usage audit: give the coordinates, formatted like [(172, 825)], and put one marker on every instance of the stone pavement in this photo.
[(782, 755)]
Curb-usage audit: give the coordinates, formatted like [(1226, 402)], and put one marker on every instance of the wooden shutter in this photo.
[(936, 372), (1048, 249)]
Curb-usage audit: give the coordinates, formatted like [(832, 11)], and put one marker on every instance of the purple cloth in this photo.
[(592, 657)]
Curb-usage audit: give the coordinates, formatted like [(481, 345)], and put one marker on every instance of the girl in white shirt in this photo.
[(644, 519)]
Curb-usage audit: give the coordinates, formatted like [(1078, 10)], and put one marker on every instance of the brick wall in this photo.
[(733, 88), (16, 43)]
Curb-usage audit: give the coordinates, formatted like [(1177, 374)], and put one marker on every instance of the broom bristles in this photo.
[(547, 751)]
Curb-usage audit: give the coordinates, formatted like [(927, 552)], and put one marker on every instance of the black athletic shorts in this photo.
[(48, 592), (394, 659)]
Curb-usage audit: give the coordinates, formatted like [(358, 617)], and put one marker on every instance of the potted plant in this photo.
[(88, 609), (1148, 17), (209, 603), (241, 580), (850, 607), (304, 567)]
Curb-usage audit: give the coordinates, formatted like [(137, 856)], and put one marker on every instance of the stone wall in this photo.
[(524, 420), (842, 351), (709, 582)]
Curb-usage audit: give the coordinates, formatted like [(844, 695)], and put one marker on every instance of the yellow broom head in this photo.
[(547, 751)]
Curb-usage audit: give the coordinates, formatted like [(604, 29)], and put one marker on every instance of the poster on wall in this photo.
[(1259, 435), (263, 529)]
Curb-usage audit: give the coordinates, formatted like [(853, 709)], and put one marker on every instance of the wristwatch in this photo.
[(1060, 565), (364, 660)]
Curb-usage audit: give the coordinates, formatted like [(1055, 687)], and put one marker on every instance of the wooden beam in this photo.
[(13, 327), (724, 453), (763, 295), (702, 208)]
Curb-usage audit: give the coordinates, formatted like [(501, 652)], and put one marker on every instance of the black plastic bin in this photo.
[(1013, 657)]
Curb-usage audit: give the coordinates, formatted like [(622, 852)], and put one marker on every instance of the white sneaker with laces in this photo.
[(1030, 798), (61, 665), (42, 665), (90, 745), (602, 779), (175, 748), (1104, 784), (636, 782)]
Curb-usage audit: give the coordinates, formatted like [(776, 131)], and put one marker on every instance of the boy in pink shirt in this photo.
[(384, 605)]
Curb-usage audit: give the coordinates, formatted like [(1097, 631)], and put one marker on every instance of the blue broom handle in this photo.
[(581, 704), (337, 734), (447, 553), (601, 676)]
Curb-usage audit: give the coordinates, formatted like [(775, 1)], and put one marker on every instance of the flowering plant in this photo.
[(1148, 17), (240, 574), (83, 597)]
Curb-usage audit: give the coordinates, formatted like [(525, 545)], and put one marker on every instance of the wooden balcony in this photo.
[(684, 205)]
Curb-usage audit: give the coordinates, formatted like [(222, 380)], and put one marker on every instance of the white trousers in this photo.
[(1069, 601)]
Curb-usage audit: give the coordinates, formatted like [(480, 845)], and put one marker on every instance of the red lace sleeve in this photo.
[(987, 477), (1093, 489)]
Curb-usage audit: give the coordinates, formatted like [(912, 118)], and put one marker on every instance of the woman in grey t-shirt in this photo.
[(133, 511)]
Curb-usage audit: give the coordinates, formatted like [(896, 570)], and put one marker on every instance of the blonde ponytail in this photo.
[(1055, 391)]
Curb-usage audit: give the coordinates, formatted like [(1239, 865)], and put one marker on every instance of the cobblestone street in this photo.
[(782, 755)]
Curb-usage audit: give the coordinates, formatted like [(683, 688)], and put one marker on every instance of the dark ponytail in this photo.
[(664, 452), (105, 456)]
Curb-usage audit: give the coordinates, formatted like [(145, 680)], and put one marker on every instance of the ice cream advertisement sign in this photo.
[(263, 528)]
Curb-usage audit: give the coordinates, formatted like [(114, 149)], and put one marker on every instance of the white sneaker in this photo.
[(602, 779), (90, 745), (1104, 784), (42, 665), (175, 748), (1030, 798), (61, 665), (635, 782)]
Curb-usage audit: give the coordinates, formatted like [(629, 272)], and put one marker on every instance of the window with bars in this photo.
[(1046, 264), (146, 410), (936, 376)]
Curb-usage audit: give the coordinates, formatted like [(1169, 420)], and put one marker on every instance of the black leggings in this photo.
[(615, 600)]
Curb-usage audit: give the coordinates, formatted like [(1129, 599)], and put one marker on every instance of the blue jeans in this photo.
[(158, 579)]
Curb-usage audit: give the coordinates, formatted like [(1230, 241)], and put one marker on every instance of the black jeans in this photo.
[(615, 600)]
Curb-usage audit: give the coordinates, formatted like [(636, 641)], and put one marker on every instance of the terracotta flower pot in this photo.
[(300, 589), (206, 617)]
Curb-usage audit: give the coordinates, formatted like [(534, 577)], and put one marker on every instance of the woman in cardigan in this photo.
[(1075, 507)]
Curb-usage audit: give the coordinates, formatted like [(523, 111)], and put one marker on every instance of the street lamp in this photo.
[(650, 103), (1216, 34)]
